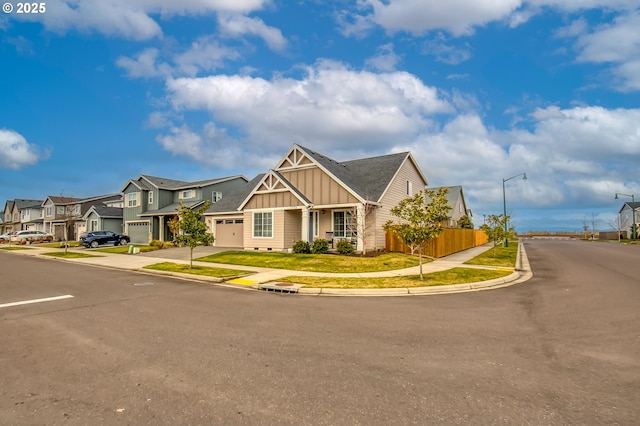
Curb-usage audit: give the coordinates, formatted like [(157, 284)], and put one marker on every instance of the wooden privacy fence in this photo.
[(450, 240)]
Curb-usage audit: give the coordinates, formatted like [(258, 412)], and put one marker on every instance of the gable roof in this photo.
[(146, 182), (21, 204), (369, 177), (231, 202), (453, 193), (631, 204), (104, 212)]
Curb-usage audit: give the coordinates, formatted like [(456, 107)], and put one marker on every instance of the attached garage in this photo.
[(228, 232), (138, 232)]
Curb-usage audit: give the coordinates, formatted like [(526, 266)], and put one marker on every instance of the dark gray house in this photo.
[(150, 202)]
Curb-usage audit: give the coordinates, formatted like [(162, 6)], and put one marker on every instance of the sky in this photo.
[(96, 92)]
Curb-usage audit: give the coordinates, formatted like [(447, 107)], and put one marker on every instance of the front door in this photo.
[(313, 226)]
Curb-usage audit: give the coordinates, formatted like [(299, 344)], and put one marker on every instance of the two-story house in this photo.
[(63, 216), (21, 214), (458, 204), (151, 201)]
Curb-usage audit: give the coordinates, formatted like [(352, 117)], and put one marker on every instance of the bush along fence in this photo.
[(450, 240)]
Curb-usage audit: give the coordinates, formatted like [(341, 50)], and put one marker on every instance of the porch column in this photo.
[(360, 227), (161, 230), (305, 225)]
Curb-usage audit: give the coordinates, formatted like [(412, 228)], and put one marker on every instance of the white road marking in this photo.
[(26, 302)]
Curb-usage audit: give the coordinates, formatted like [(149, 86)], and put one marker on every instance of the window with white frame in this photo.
[(187, 194), (24, 214), (216, 196), (409, 188), (150, 200), (76, 209), (132, 199), (60, 210), (343, 224), (48, 211), (263, 225)]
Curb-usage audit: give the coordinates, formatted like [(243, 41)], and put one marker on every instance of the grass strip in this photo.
[(448, 277), (69, 255), (498, 256), (315, 262), (125, 249), (12, 248), (197, 270)]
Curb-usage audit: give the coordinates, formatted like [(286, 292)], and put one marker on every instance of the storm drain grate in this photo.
[(280, 287)]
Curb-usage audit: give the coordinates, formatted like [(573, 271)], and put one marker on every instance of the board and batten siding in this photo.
[(396, 192), (318, 187), (273, 200)]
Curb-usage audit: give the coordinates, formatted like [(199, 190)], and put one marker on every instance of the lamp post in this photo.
[(504, 203), (634, 235)]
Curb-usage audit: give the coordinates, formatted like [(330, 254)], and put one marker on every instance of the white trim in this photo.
[(253, 224)]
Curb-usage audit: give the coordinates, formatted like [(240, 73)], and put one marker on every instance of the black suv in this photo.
[(94, 239)]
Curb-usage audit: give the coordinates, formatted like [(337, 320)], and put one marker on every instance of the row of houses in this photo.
[(305, 196)]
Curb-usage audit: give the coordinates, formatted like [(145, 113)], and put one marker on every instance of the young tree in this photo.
[(494, 228), (189, 230), (465, 222), (419, 223)]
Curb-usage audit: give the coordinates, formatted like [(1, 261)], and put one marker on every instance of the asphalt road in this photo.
[(128, 348)]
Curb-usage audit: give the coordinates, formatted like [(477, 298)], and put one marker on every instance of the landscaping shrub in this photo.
[(167, 245), (157, 244), (301, 247), (320, 247), (344, 247)]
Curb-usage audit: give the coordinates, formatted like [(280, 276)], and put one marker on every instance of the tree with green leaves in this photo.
[(190, 230), (419, 222), (495, 229), (465, 222)]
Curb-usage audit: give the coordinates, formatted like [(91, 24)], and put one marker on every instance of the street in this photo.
[(131, 348)]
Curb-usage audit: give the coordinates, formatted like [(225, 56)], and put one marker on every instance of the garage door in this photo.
[(228, 233), (138, 232)]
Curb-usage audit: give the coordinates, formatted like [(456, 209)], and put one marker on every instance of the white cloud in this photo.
[(16, 152), (332, 106), (205, 54), (385, 60), (239, 25), (446, 53), (129, 18), (144, 64)]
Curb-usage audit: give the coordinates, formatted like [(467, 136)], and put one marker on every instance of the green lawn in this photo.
[(504, 256), (125, 249), (60, 244), (197, 270), (448, 277), (10, 248), (315, 262), (69, 254)]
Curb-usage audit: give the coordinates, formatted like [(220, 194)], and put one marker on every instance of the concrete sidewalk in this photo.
[(266, 278)]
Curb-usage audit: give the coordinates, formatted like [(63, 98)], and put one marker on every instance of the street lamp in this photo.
[(504, 203), (633, 213)]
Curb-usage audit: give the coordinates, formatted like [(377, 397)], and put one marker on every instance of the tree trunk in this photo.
[(190, 257), (420, 257)]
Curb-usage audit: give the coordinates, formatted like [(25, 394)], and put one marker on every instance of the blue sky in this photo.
[(93, 93)]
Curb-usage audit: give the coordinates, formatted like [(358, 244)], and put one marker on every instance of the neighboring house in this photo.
[(69, 211), (7, 213), (150, 202), (104, 218), (310, 196), (626, 217), (455, 198), (29, 213)]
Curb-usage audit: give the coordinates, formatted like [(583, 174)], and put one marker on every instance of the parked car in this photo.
[(5, 238), (94, 239), (24, 237)]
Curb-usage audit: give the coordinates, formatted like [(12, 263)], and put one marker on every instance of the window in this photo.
[(132, 199), (76, 210), (48, 211), (186, 194), (93, 224), (263, 225), (23, 214), (342, 224), (150, 200), (60, 210), (216, 196), (409, 188)]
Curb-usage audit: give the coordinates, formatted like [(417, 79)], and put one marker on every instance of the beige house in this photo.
[(455, 198), (308, 196)]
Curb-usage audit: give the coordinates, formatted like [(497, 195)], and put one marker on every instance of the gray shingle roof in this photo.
[(231, 201), (368, 177), (108, 212)]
